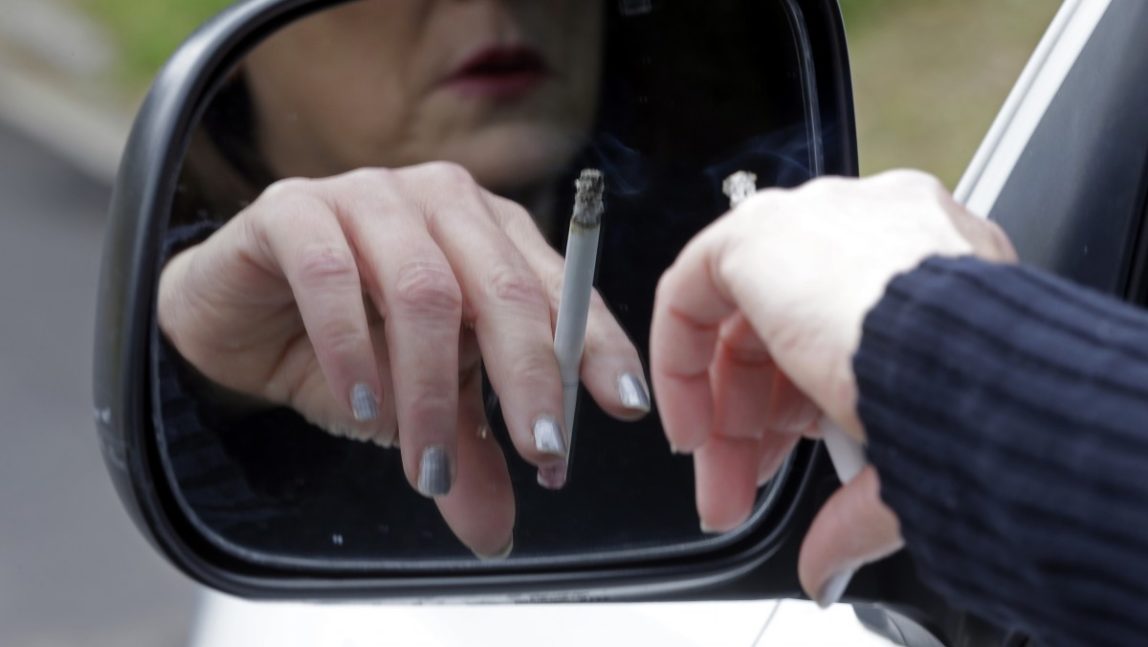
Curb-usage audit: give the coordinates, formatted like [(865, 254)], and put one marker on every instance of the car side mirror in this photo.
[(665, 99)]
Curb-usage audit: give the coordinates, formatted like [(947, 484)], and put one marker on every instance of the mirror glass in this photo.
[(666, 99)]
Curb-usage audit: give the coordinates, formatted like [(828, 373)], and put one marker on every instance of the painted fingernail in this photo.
[(833, 589), (548, 437), (552, 477), (500, 555), (434, 472), (364, 403), (633, 393)]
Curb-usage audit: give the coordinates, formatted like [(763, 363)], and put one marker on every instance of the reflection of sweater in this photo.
[(1007, 414)]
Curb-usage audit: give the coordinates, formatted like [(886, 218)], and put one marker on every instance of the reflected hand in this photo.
[(770, 299), (369, 303)]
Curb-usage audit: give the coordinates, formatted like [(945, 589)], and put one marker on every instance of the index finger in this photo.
[(689, 308)]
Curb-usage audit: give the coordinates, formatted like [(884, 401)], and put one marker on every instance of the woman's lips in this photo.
[(499, 73)]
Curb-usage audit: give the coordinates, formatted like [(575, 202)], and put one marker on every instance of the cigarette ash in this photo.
[(739, 187), (588, 205)]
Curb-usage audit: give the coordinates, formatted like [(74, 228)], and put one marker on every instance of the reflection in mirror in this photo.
[(357, 368)]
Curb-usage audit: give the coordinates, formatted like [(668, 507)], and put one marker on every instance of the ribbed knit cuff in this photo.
[(1007, 416)]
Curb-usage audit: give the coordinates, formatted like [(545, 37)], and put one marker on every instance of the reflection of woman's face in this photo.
[(507, 88)]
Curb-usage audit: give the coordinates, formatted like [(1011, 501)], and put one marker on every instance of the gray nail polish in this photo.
[(548, 436), (834, 588), (552, 477), (633, 393), (364, 403), (434, 472)]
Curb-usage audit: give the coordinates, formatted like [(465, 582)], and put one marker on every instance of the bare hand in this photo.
[(770, 300), (370, 301)]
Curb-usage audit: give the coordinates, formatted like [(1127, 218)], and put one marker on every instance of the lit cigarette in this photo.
[(739, 187), (846, 454), (577, 287)]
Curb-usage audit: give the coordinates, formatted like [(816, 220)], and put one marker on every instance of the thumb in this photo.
[(853, 528)]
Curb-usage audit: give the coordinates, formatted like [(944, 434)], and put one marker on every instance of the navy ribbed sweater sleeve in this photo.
[(1007, 416)]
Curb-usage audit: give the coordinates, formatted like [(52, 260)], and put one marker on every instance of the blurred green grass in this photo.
[(148, 31), (929, 75)]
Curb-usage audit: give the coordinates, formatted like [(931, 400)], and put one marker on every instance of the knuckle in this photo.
[(371, 176), (446, 173), (288, 188), (536, 368), (286, 196), (370, 187), (512, 214), (914, 179), (341, 338), (291, 204), (327, 266), (512, 286), (428, 289)]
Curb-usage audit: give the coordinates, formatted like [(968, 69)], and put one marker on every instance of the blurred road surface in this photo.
[(73, 570)]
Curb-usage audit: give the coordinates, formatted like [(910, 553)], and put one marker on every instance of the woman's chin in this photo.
[(507, 159)]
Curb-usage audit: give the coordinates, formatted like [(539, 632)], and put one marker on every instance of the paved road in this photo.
[(73, 570)]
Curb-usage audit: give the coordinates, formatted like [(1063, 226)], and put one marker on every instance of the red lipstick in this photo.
[(499, 73)]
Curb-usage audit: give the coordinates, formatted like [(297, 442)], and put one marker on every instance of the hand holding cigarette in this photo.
[(754, 331), (370, 303)]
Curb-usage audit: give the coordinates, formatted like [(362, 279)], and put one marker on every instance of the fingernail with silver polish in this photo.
[(633, 393), (833, 589), (552, 477), (434, 472), (364, 403), (548, 437)]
